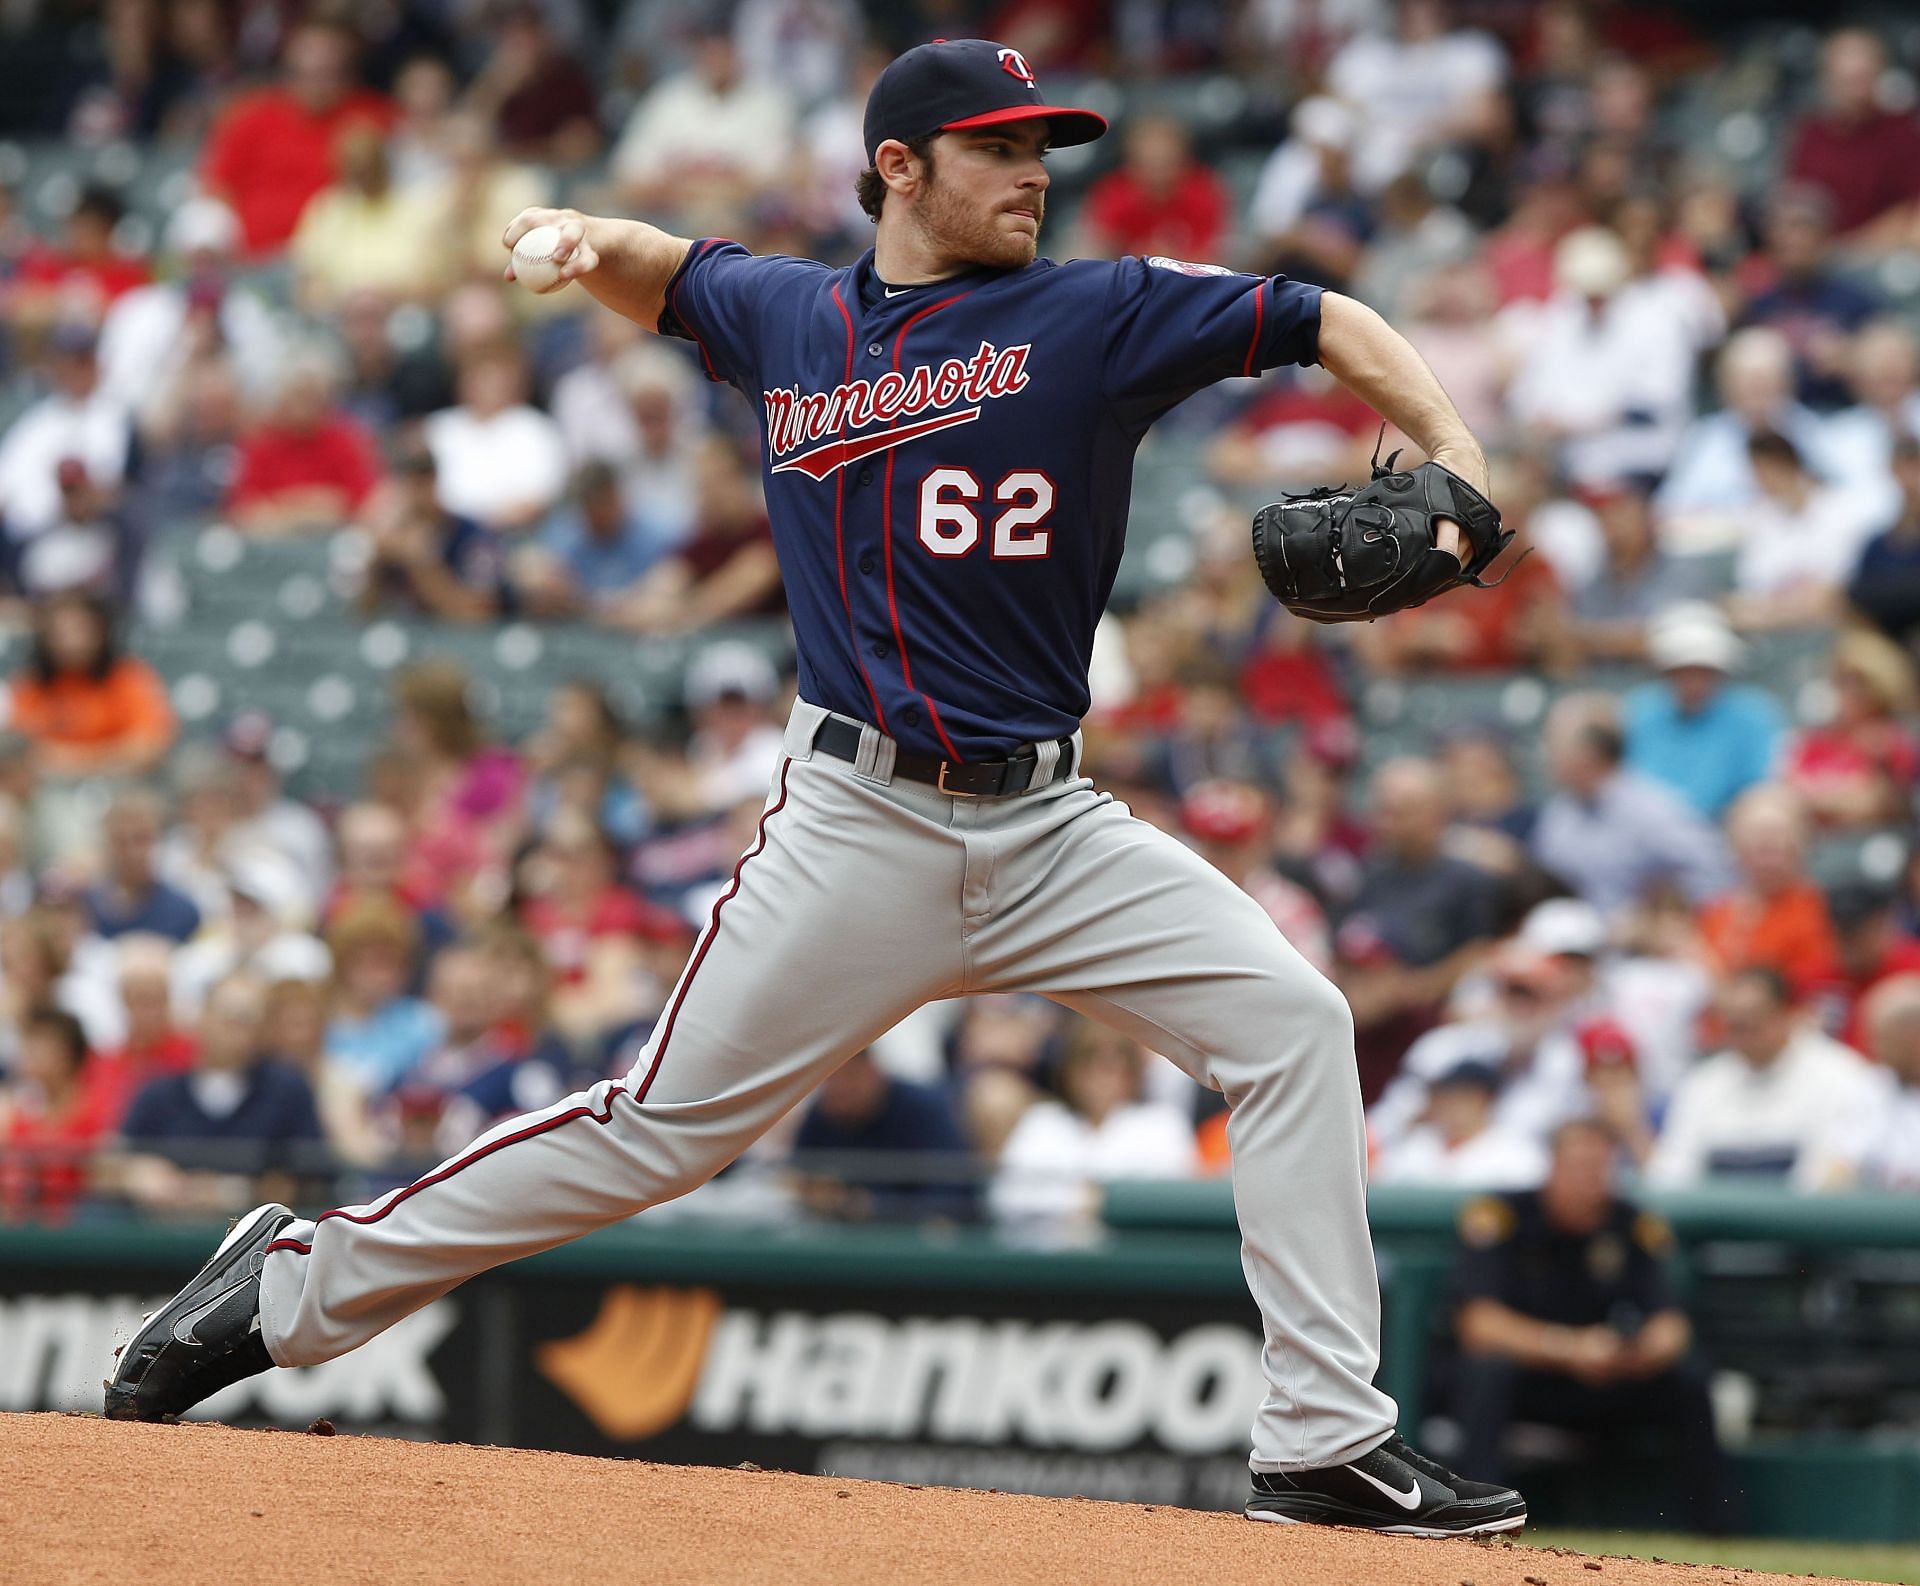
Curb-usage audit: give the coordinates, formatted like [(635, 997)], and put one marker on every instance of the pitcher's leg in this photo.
[(828, 936), (1138, 931)]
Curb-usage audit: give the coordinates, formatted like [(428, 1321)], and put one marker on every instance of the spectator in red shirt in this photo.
[(602, 942), (1866, 158), (307, 465), (1231, 825), (1160, 200), (574, 899), (85, 265), (1774, 917), (1869, 947), (274, 149), (49, 1125), (1858, 769)]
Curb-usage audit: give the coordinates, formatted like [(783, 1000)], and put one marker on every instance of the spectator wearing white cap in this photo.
[(1654, 998), (265, 932), (149, 333), (1695, 730), (267, 817), (1606, 365), (77, 420), (1308, 210), (730, 691)]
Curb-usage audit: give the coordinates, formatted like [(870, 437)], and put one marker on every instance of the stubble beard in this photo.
[(961, 231)]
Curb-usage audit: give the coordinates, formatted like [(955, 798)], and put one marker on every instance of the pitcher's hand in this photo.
[(576, 255)]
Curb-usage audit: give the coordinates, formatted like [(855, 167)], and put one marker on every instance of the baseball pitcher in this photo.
[(948, 429)]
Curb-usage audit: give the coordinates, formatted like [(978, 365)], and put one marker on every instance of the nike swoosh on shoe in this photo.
[(183, 1327), (1408, 1500)]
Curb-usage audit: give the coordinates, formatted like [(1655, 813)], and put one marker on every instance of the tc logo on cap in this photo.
[(1014, 64)]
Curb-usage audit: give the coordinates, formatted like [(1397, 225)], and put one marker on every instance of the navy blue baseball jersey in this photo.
[(948, 466)]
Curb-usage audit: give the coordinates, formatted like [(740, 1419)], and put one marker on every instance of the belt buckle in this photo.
[(940, 783)]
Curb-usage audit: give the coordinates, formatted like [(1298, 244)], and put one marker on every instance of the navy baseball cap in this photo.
[(952, 84)]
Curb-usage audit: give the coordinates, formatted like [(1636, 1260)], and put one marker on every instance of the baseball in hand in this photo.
[(534, 266)]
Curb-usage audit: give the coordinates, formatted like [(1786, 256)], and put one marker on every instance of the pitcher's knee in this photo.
[(1316, 1012), (1299, 1021)]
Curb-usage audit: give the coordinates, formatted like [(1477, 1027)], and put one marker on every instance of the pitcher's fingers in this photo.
[(581, 261), (1446, 537), (524, 222)]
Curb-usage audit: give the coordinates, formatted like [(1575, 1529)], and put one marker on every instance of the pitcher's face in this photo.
[(984, 194)]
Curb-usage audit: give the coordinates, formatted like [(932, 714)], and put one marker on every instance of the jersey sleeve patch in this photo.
[(1172, 327), (1160, 261)]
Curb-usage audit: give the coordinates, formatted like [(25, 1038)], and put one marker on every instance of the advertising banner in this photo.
[(1146, 1399)]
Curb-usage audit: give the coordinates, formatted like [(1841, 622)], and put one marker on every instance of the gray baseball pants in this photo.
[(860, 899)]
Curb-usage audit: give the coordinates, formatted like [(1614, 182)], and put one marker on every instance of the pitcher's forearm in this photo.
[(636, 263), (1380, 366)]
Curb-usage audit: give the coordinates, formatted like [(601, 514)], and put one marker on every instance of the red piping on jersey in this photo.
[(1259, 313), (839, 540), (546, 1125), (673, 299), (886, 534)]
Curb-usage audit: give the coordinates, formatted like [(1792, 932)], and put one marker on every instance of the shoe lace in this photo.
[(1407, 1454)]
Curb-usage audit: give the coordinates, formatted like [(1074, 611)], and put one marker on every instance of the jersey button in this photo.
[(874, 349), (911, 715), (880, 648), (867, 564), (866, 476)]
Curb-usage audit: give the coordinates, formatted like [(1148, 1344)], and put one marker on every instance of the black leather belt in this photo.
[(967, 779)]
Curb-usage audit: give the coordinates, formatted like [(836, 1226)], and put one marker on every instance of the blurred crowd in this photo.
[(1696, 375)]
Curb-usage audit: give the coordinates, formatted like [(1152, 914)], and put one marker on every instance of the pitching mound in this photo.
[(97, 1501)]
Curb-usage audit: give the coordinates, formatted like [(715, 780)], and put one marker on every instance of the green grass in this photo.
[(1867, 1561)]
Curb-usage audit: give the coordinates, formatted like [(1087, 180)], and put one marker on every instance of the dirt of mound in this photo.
[(89, 1501)]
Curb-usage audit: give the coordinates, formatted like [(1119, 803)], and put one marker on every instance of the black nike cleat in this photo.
[(1393, 1489), (207, 1336)]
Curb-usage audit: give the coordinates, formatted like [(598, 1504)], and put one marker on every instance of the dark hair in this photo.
[(62, 1025), (872, 191), (1772, 446), (611, 724), (594, 476), (102, 202), (1778, 988), (1605, 739), (41, 661)]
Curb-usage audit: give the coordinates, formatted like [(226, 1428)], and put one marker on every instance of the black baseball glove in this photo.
[(1353, 555)]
